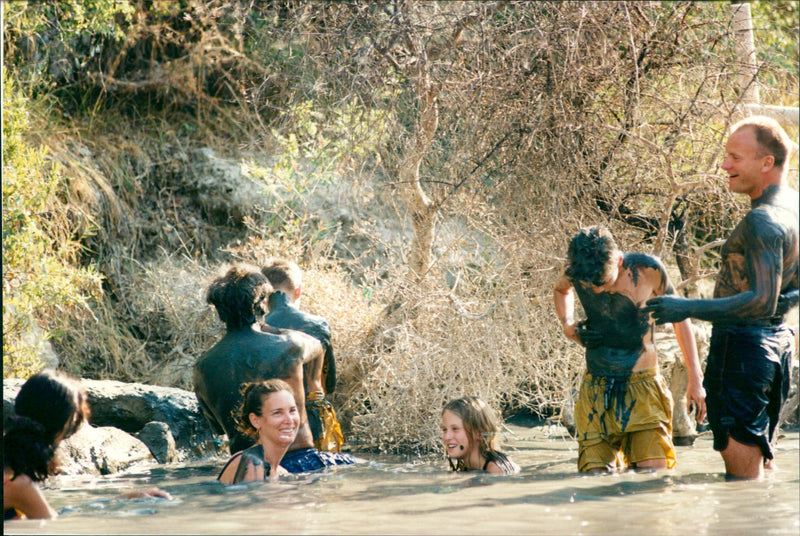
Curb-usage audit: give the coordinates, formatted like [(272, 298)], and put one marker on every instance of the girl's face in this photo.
[(455, 437), (279, 420)]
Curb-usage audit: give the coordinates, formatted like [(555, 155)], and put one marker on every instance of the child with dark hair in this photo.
[(470, 434), (623, 415), (50, 407)]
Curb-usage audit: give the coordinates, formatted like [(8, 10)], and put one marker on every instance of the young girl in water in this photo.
[(270, 416), (50, 407), (470, 435)]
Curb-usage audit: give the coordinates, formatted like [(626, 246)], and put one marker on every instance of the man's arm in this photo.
[(564, 300), (764, 262), (312, 358), (211, 419)]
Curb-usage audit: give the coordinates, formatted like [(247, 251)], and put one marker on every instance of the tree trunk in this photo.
[(422, 209), (745, 52)]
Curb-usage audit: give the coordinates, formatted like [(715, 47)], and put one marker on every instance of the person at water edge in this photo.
[(623, 415), (246, 354), (751, 347), (49, 407), (471, 438), (270, 416), (320, 375)]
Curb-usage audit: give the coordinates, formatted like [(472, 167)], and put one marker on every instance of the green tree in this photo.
[(40, 278)]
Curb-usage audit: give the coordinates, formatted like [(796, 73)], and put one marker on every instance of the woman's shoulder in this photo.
[(245, 466), (21, 493)]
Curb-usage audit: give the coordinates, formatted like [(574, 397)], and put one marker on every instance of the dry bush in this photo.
[(152, 334)]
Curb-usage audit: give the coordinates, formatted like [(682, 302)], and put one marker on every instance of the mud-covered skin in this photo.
[(758, 276), (625, 332), (245, 355), (624, 329), (283, 315)]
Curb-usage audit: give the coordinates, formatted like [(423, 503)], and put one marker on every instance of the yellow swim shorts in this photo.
[(324, 426), (621, 423)]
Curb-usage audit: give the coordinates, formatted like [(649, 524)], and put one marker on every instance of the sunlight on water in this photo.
[(396, 495)]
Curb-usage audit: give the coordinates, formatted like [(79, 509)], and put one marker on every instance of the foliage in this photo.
[(522, 121), (775, 25), (40, 278)]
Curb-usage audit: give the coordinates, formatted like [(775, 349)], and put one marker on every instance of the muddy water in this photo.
[(396, 495)]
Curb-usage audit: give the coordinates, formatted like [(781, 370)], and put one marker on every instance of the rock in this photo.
[(131, 406), (101, 450), (158, 438), (221, 188)]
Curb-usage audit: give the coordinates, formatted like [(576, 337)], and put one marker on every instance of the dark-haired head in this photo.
[(253, 396), (50, 406), (239, 295), (592, 256)]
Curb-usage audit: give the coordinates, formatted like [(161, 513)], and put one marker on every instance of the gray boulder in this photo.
[(158, 438), (130, 406), (101, 450)]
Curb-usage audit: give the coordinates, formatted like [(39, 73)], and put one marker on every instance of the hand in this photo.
[(696, 397), (589, 338), (267, 328), (141, 494), (667, 309), (786, 301)]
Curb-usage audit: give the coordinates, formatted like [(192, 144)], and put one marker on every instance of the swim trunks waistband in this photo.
[(634, 377)]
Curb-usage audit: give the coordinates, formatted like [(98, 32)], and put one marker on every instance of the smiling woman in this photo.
[(269, 415)]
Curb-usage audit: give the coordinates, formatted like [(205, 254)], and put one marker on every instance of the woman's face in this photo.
[(455, 437), (279, 420)]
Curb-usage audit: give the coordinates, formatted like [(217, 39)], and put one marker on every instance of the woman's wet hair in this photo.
[(253, 395), (48, 404), (239, 295), (591, 256), (477, 417)]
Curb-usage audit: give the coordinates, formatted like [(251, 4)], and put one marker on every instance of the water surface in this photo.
[(401, 495)]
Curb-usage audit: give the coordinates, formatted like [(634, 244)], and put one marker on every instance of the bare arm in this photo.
[(564, 301), (23, 494), (695, 394)]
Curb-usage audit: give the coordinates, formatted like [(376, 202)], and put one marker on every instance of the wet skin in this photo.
[(245, 355), (621, 333), (758, 276), (283, 315)]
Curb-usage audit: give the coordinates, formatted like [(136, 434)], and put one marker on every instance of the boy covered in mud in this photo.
[(623, 415), (320, 375)]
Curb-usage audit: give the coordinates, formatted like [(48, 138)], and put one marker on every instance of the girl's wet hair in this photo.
[(479, 418), (253, 395), (48, 404), (591, 255)]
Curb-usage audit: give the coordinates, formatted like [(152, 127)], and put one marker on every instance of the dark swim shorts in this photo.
[(747, 380), (311, 459)]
